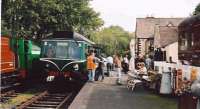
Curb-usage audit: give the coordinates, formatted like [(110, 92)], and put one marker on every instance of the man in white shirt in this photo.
[(110, 59), (109, 64)]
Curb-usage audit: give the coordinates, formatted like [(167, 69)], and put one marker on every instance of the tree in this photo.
[(41, 17), (197, 10), (114, 39)]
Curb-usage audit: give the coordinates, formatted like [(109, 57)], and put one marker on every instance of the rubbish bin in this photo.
[(166, 87), (187, 101)]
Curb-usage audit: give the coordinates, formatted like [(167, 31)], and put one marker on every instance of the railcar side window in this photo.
[(189, 40), (196, 42), (183, 42)]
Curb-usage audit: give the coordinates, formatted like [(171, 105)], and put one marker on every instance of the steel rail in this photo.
[(46, 100)]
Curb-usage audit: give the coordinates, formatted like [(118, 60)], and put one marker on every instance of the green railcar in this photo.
[(64, 56)]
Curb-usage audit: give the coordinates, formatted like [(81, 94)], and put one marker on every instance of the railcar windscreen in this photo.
[(61, 49)]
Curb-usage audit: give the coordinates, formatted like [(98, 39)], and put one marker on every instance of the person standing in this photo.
[(148, 62), (99, 70), (91, 66), (50, 52), (126, 64), (117, 62), (109, 65)]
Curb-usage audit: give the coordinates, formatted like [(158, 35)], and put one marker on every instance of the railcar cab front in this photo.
[(63, 56)]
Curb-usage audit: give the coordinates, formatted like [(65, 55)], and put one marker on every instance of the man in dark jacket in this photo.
[(99, 70)]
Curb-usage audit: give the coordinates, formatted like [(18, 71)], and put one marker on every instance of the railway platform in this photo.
[(109, 95)]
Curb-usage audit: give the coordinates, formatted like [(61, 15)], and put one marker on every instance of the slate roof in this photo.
[(145, 27), (166, 35)]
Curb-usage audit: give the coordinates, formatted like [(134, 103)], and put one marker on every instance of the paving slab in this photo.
[(109, 95)]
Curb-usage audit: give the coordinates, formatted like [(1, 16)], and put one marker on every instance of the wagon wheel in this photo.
[(146, 85), (131, 84)]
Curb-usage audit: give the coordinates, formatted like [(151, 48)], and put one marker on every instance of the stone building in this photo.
[(166, 37), (151, 33)]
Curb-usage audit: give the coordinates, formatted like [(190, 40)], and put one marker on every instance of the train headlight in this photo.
[(47, 65), (76, 67), (50, 78)]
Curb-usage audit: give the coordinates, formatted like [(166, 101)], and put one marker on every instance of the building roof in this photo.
[(166, 35), (70, 35), (80, 37), (145, 27)]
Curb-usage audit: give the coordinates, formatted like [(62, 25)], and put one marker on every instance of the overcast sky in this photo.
[(125, 12)]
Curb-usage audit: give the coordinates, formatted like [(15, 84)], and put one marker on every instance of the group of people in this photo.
[(95, 66), (143, 64)]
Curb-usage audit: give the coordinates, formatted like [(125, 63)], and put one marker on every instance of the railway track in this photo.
[(8, 95), (46, 100)]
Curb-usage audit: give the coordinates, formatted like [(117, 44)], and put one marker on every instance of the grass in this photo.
[(16, 101), (162, 102), (12, 103)]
